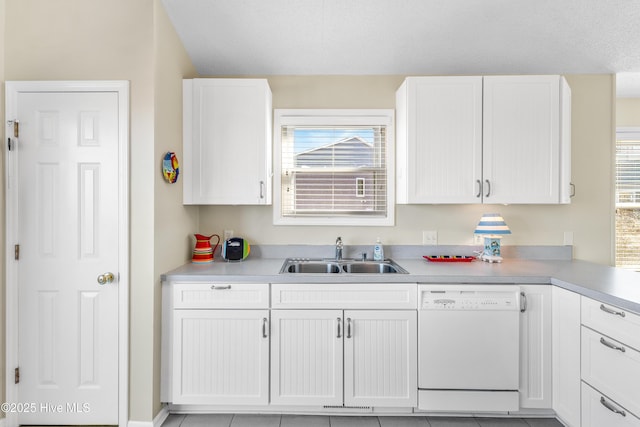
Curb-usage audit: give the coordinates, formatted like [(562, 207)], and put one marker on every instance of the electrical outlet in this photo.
[(429, 237), (478, 239), (228, 234), (568, 238)]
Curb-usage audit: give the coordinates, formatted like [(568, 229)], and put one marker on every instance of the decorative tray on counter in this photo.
[(448, 258)]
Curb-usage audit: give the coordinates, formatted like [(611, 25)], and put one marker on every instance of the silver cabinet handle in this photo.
[(611, 346), (573, 190), (612, 311), (339, 320), (612, 408), (265, 325), (523, 304), (488, 188), (479, 194), (105, 278), (349, 327), (220, 288), (262, 189)]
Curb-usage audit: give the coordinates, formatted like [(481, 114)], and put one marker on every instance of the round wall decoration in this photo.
[(170, 167)]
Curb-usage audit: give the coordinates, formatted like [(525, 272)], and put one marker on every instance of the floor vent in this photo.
[(349, 408)]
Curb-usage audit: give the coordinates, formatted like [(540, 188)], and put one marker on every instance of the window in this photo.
[(334, 167), (628, 198)]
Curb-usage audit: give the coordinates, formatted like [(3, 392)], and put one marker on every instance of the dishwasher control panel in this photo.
[(457, 299)]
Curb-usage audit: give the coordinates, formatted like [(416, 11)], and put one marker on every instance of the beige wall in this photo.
[(628, 112), (589, 215), (174, 223), (122, 40)]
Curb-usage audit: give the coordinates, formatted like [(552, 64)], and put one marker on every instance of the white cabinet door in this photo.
[(380, 358), (227, 125), (566, 355), (221, 357), (523, 129), (306, 357), (439, 144), (535, 348)]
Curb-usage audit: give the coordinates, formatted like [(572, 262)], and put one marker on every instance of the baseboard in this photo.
[(157, 421)]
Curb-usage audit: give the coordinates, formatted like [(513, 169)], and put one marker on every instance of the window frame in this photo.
[(334, 117)]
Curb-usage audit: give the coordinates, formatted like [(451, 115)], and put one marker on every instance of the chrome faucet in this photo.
[(339, 248)]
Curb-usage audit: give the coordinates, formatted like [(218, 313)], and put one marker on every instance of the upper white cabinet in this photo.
[(439, 141), (498, 139), (227, 130)]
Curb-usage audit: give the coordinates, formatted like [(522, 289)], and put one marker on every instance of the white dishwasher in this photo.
[(468, 347)]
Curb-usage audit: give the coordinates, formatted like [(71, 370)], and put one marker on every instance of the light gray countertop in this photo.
[(606, 284)]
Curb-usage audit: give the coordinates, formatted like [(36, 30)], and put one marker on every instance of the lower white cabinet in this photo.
[(566, 356), (344, 358), (600, 411), (220, 357), (535, 347)]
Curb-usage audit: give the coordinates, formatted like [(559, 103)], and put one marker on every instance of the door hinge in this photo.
[(16, 252), (16, 376), (16, 127)]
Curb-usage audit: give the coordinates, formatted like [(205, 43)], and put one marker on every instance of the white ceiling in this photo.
[(409, 37)]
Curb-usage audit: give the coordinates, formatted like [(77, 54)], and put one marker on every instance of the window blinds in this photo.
[(334, 171), (628, 203)]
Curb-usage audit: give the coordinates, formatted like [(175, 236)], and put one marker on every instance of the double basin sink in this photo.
[(343, 266)]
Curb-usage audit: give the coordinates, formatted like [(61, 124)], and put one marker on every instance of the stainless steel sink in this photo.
[(331, 266), (310, 267), (372, 267)]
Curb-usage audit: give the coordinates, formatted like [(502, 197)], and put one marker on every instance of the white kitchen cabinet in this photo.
[(610, 361), (380, 358), (439, 140), (495, 139), (599, 410), (566, 356), (535, 347), (215, 343), (221, 357), (307, 357), (369, 355), (525, 125), (344, 344), (227, 133)]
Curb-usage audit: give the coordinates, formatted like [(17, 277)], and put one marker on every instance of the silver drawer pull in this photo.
[(220, 288), (611, 311), (265, 324), (339, 319), (612, 408), (611, 346)]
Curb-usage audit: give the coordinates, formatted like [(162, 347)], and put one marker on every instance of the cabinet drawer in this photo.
[(598, 410), (344, 296), (220, 295), (611, 367), (615, 322)]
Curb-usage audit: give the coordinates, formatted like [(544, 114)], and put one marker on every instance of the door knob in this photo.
[(105, 278)]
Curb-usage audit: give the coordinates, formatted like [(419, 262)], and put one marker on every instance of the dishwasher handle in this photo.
[(523, 302)]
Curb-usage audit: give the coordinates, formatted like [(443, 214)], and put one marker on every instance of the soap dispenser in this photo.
[(378, 251)]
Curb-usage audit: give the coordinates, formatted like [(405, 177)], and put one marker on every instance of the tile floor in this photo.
[(275, 420)]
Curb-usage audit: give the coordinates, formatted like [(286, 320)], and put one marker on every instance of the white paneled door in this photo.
[(67, 275)]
